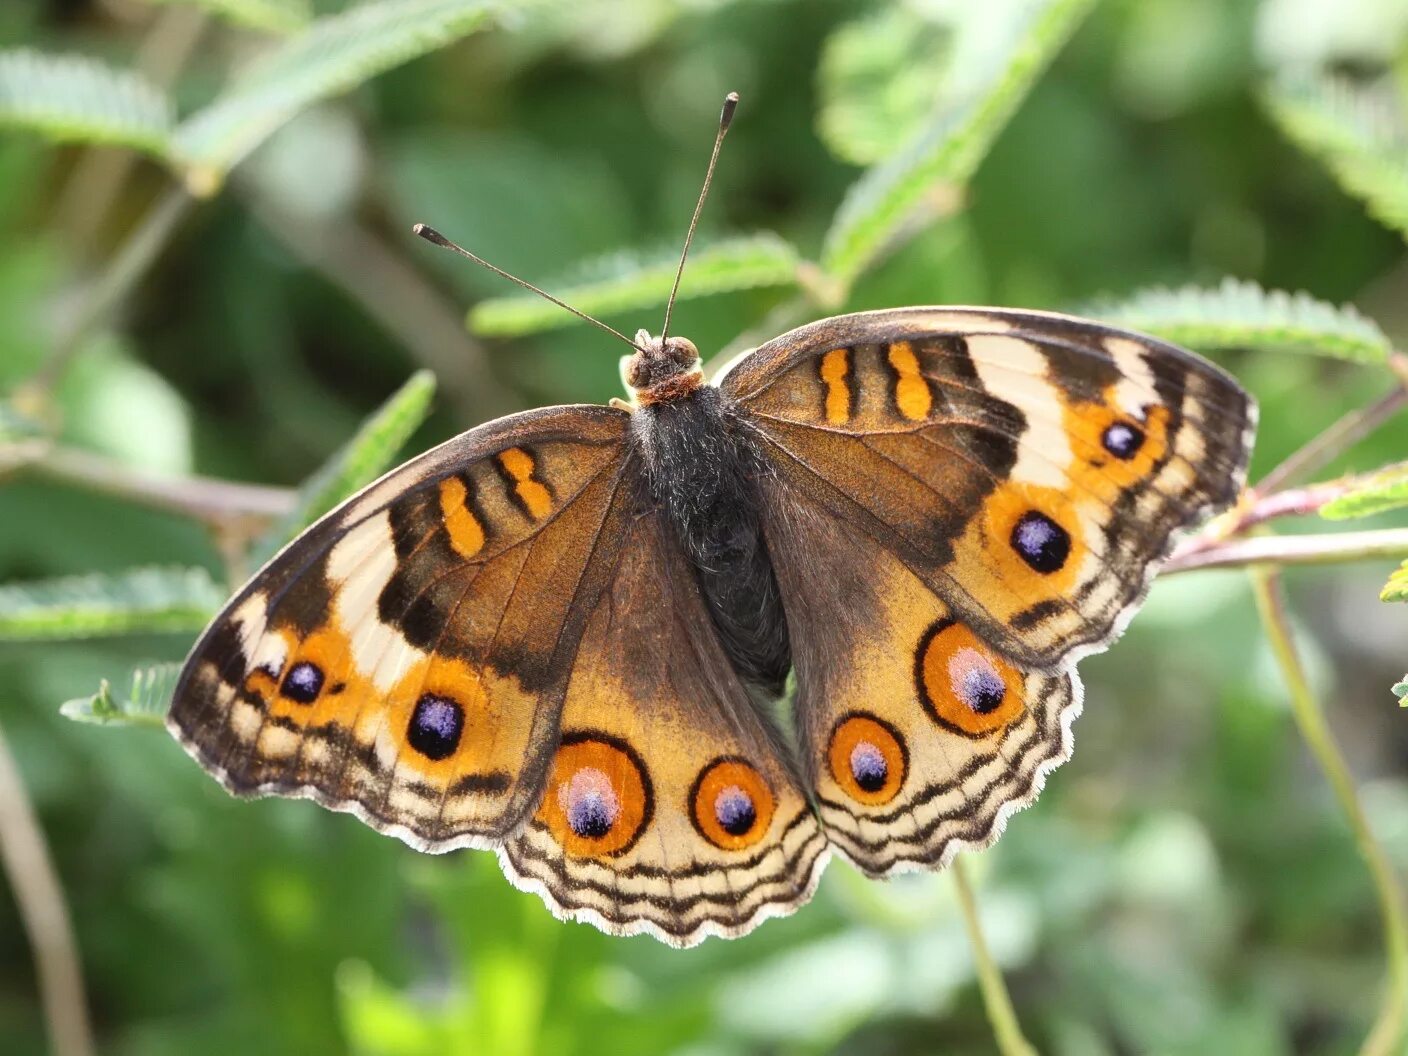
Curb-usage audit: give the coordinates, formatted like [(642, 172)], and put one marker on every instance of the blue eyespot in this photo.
[(435, 727), (303, 683), (1041, 542)]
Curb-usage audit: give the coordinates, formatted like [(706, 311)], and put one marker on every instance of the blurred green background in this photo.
[(1186, 884)]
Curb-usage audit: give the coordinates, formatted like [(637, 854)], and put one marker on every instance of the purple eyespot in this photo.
[(303, 683), (734, 810), (1041, 542), (435, 727)]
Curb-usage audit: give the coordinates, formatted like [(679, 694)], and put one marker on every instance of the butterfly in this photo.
[(562, 635)]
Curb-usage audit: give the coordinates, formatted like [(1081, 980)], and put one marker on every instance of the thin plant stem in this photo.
[(1386, 1036), (1328, 445), (127, 268), (1006, 1030), (1331, 548), (25, 858)]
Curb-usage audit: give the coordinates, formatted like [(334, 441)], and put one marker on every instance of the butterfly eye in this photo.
[(964, 687), (867, 759), (731, 804), (303, 683), (1041, 542), (436, 725), (598, 799), (1122, 440)]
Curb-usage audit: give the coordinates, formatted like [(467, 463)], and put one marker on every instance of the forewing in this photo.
[(405, 659), (1029, 468)]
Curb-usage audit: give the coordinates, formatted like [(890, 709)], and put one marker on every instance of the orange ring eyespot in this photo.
[(598, 799), (868, 759), (731, 804), (963, 685)]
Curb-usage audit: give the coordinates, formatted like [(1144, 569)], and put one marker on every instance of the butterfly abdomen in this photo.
[(702, 472)]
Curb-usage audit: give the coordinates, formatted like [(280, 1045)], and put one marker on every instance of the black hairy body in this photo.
[(702, 470)]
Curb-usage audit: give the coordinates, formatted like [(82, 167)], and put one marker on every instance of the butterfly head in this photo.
[(662, 369)]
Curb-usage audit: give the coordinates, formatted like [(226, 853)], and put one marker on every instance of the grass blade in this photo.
[(137, 601), (623, 282), (1243, 315), (73, 99), (1007, 45)]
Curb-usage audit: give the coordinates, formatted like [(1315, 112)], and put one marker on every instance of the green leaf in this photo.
[(621, 282), (358, 462), (1400, 690), (1001, 48), (1243, 315), (1359, 132), (1373, 493), (69, 98), (879, 77), (1396, 589), (140, 600), (273, 16), (333, 55), (146, 703)]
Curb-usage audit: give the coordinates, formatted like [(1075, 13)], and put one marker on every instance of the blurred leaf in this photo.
[(70, 98), (1373, 493), (1396, 589), (145, 704), (274, 16), (333, 55), (879, 77), (1243, 315), (139, 600), (1400, 690), (1358, 132), (1007, 45), (358, 462), (622, 282)]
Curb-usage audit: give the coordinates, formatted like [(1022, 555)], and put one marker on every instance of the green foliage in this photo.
[(334, 54), (1373, 493), (623, 282), (1359, 132), (145, 704), (68, 98), (359, 462), (1396, 589), (1400, 690), (140, 600), (1006, 45), (1242, 315), (274, 16)]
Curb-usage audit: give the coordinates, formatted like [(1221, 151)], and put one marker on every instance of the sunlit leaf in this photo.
[(622, 282), (1001, 48), (1373, 493), (333, 55), (1359, 132), (1242, 315), (70, 98), (358, 462), (879, 77), (145, 703), (136, 601), (275, 16), (1396, 589)]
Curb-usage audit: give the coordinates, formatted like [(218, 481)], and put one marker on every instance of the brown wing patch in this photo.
[(1031, 469), (406, 658), (672, 808)]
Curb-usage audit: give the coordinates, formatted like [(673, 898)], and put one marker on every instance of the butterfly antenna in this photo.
[(725, 119), (436, 238)]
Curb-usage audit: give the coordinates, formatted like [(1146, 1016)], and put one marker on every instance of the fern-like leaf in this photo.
[(1396, 589), (1372, 493), (1359, 133), (358, 462), (621, 282), (69, 98), (145, 704), (1240, 314), (1008, 44), (272, 16), (137, 601), (333, 55)]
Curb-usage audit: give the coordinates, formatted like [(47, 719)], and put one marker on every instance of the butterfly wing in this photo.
[(960, 503), (405, 659), (672, 807), (1030, 468)]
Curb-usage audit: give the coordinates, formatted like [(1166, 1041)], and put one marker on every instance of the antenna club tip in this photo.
[(431, 235), (730, 104), (416, 229)]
